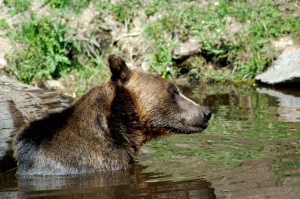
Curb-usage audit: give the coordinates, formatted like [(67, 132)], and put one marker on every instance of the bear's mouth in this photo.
[(199, 128), (190, 129), (204, 125), (196, 126), (180, 128)]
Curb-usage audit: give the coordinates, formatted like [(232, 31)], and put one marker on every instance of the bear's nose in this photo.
[(207, 113)]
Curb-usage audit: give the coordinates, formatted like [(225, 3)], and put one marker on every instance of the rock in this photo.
[(92, 32), (232, 26), (20, 103), (3, 63), (286, 69), (187, 49), (51, 85), (284, 44), (145, 66)]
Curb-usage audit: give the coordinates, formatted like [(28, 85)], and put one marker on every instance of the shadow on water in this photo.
[(132, 183)]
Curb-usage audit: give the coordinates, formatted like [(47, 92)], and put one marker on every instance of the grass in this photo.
[(245, 53), (17, 5), (3, 24), (75, 5), (46, 49)]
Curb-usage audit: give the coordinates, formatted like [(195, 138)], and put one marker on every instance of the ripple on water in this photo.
[(250, 150)]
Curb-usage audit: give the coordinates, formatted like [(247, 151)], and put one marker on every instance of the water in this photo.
[(250, 150)]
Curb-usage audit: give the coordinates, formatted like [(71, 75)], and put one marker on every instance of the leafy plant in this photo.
[(47, 50), (3, 24)]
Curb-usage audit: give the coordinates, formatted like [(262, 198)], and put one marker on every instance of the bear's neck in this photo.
[(125, 129), (113, 119)]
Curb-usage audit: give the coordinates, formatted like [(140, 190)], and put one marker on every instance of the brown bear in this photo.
[(107, 126)]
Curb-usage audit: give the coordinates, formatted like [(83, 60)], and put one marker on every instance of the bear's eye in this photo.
[(173, 90)]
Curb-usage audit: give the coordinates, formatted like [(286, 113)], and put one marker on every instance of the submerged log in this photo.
[(19, 104)]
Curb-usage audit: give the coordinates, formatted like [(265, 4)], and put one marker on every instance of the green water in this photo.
[(251, 149)]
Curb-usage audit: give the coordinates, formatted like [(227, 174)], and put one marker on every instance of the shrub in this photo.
[(45, 49)]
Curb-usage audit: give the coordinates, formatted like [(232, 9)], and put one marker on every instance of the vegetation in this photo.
[(45, 46), (246, 52), (49, 50), (18, 5)]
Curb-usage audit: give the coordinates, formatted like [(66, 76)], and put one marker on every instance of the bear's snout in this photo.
[(207, 113)]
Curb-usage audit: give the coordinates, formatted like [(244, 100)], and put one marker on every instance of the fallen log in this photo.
[(19, 104)]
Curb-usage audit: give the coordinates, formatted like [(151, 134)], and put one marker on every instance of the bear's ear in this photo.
[(118, 68)]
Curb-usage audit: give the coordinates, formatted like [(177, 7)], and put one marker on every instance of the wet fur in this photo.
[(105, 128)]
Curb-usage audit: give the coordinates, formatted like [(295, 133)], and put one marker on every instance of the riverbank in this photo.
[(219, 41)]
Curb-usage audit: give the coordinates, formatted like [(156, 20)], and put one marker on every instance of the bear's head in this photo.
[(106, 127), (160, 107)]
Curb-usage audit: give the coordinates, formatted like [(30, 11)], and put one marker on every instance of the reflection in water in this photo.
[(250, 150), (132, 183), (289, 105), (246, 152)]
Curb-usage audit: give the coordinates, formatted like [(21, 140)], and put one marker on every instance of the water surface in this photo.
[(251, 149)]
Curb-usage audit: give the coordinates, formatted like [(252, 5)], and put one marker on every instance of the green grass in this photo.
[(3, 24), (75, 5), (245, 53), (18, 5), (45, 47)]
